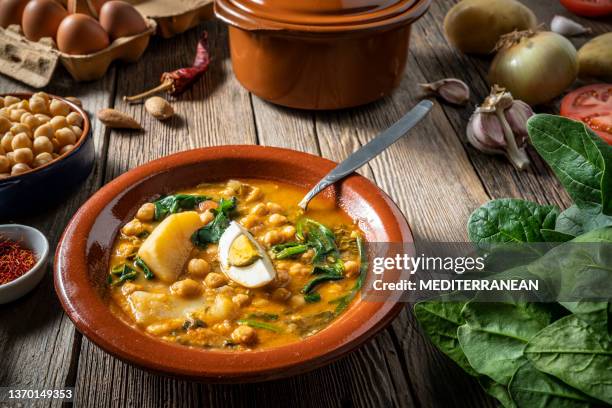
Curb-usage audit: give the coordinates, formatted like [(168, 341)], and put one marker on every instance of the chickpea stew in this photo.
[(235, 266)]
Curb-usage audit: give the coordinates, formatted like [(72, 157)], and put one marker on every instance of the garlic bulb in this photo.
[(499, 126), (451, 90), (567, 27)]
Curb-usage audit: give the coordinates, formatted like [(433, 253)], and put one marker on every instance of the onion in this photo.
[(535, 67)]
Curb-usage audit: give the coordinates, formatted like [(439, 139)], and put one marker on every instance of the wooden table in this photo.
[(433, 174)]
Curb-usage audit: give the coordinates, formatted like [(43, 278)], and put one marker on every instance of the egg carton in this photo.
[(35, 62), (177, 16)]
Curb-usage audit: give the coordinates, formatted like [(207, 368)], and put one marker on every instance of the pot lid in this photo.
[(318, 15)]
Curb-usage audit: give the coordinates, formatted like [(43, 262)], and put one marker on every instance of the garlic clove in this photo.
[(452, 90), (517, 116), (567, 27)]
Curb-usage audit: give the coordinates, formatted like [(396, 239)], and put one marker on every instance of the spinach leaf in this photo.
[(510, 220), (175, 203), (145, 269), (495, 335), (312, 297), (498, 391), (211, 232), (576, 221), (259, 325), (268, 317), (575, 353), (440, 319), (535, 389), (579, 158), (288, 250), (555, 235), (318, 237), (120, 274), (343, 301), (324, 277)]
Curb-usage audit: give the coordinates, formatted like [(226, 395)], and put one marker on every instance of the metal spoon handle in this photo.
[(371, 149)]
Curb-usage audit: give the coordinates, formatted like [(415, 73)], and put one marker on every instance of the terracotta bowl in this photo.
[(81, 263), (46, 185)]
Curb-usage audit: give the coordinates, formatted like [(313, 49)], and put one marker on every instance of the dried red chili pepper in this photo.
[(15, 260), (179, 81)]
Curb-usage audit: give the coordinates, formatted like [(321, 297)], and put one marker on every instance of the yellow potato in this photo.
[(168, 247)]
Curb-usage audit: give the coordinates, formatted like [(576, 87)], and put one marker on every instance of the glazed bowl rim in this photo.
[(82, 139), (40, 262), (89, 312)]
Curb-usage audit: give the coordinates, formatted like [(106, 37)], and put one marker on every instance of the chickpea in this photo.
[(7, 142), (15, 114), (186, 288), (24, 155), (259, 209), (133, 228), (351, 268), (30, 121), (11, 100), (146, 212), (274, 208), (5, 124), (42, 159), (21, 140), (20, 168), (129, 287), (288, 232), (207, 217), (43, 95), (297, 301), (308, 255), (281, 294), (77, 131), (58, 122), (66, 149), (233, 187), (241, 300), (254, 195), (277, 220), (250, 221), (244, 335), (224, 328), (38, 105), (56, 145), (5, 164), (74, 119), (11, 158), (42, 118), (23, 104), (198, 267), (65, 136), (42, 144), (281, 280), (299, 270), (59, 108), (272, 238), (215, 280), (18, 128)]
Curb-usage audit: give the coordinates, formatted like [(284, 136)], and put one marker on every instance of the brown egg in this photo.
[(81, 34), (11, 11), (121, 19), (41, 19)]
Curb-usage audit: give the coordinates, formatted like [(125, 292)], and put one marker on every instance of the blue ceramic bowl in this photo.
[(47, 185)]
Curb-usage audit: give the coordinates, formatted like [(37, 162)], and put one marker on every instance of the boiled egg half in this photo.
[(243, 259)]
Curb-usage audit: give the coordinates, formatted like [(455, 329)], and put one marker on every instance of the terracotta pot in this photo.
[(82, 258), (324, 54)]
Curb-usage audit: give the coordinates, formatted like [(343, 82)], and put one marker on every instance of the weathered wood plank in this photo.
[(38, 344)]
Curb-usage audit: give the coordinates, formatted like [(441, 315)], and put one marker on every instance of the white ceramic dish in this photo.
[(33, 239)]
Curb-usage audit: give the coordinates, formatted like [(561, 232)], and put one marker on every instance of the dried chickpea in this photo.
[(186, 288), (5, 164), (214, 280), (66, 149), (42, 159), (44, 130), (18, 128), (65, 136), (23, 104), (11, 100), (30, 120), (244, 335), (198, 267), (43, 95), (58, 122), (5, 124), (77, 131), (38, 105), (42, 118), (351, 268), (281, 294), (11, 158), (241, 299), (42, 144), (272, 238), (20, 168), (23, 155), (59, 108), (133, 228), (146, 212), (56, 145), (259, 209), (4, 113), (74, 119), (21, 140), (15, 114), (7, 142)]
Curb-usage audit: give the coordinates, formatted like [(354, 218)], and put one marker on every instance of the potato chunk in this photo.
[(168, 247)]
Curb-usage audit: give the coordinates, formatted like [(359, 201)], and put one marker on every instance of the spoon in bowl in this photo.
[(370, 150)]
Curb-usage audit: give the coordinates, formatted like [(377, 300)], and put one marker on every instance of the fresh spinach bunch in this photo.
[(175, 203), (211, 232), (529, 354)]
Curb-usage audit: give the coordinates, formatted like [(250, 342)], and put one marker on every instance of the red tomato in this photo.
[(592, 105), (589, 8)]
